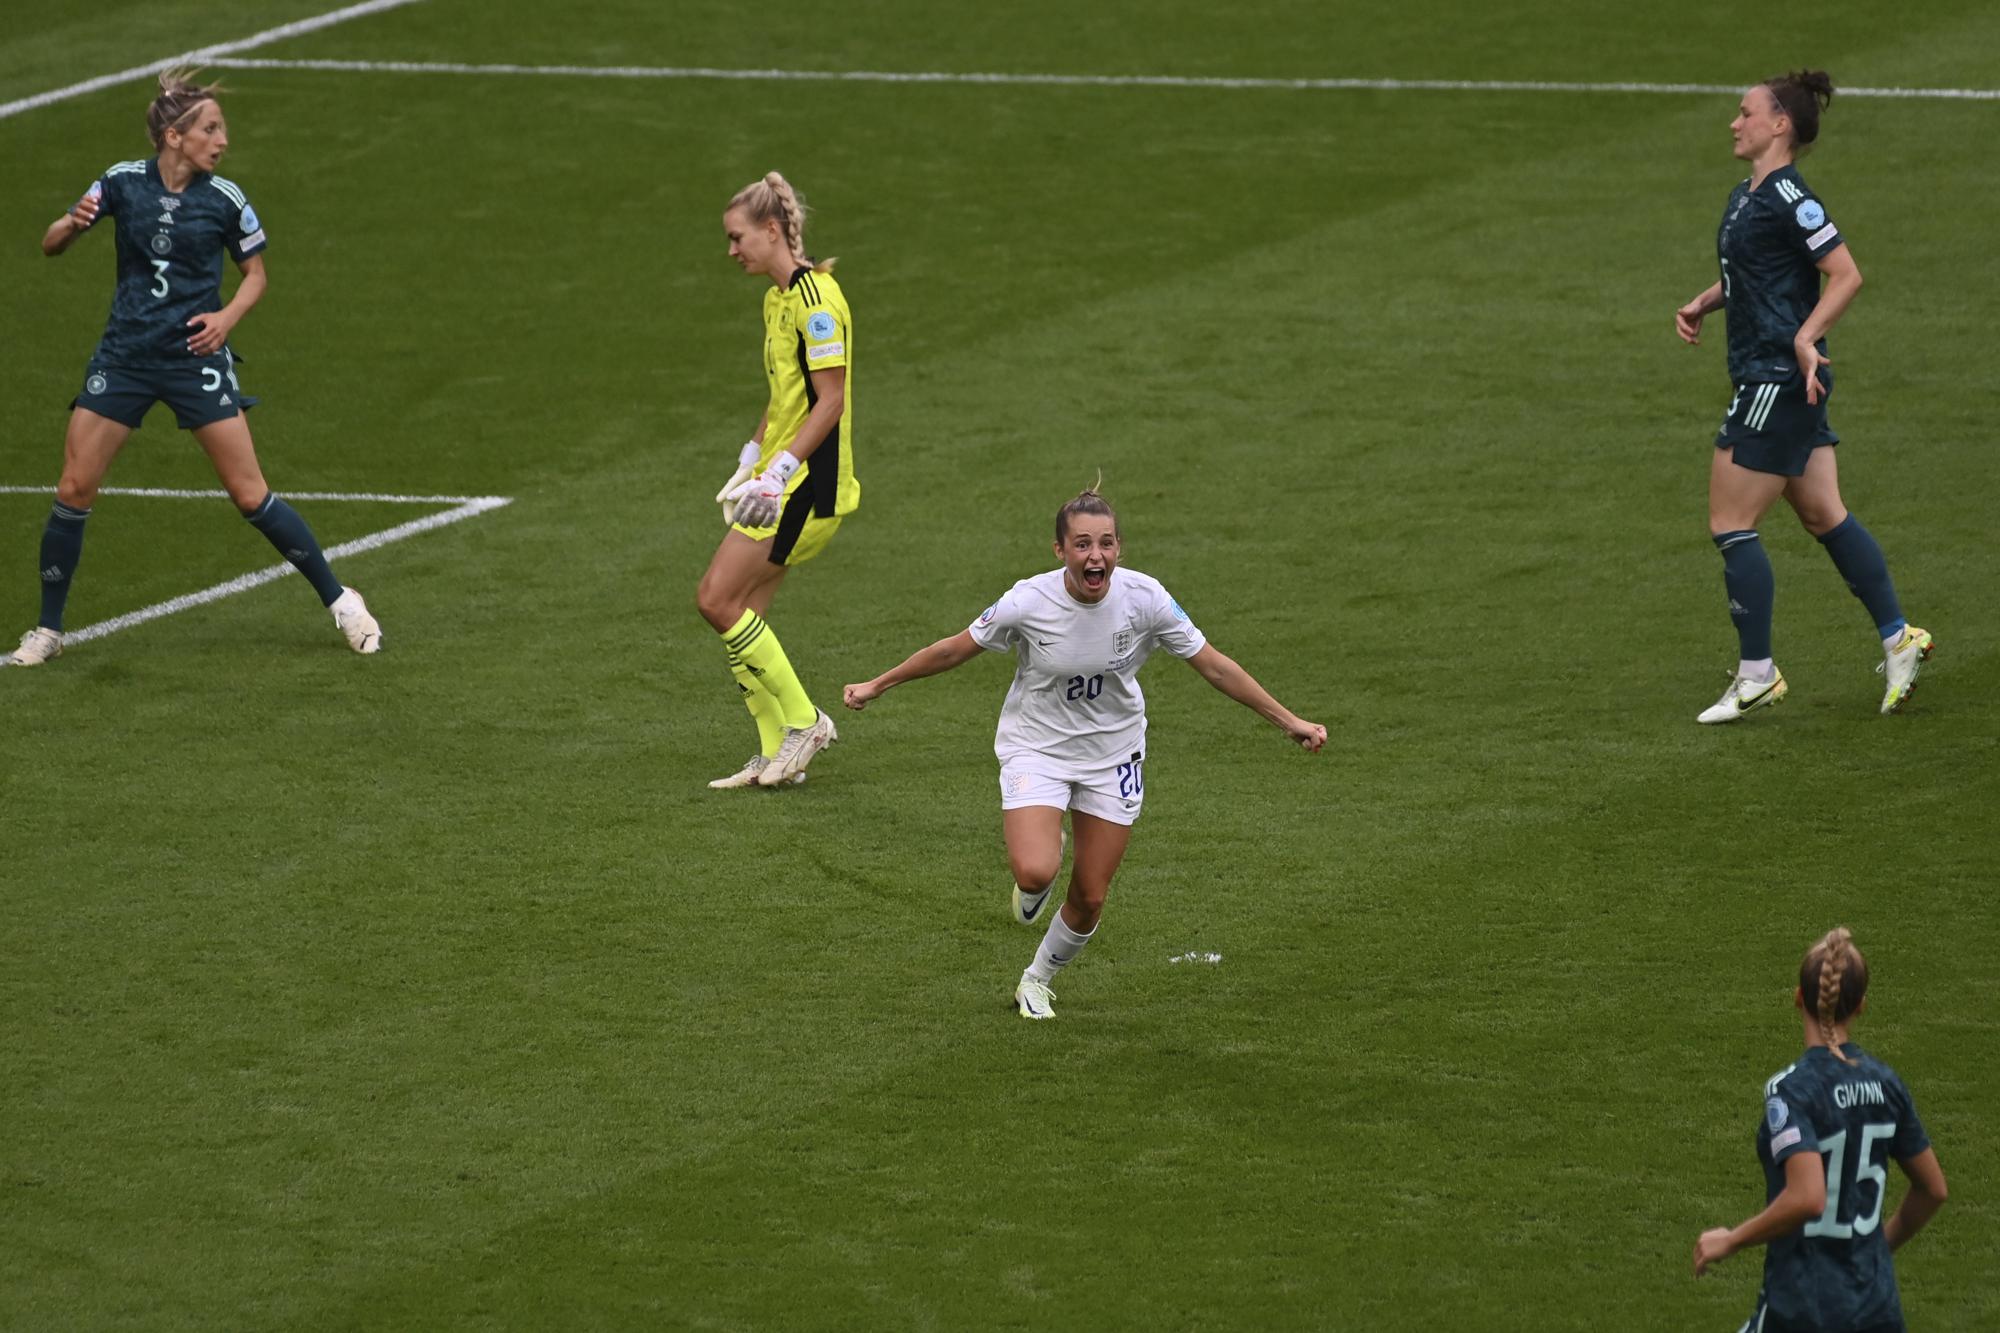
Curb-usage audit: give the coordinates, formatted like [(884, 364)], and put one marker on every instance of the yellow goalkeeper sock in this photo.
[(756, 644), (763, 706)]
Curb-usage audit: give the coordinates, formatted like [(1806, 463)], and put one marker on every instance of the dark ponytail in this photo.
[(1802, 95)]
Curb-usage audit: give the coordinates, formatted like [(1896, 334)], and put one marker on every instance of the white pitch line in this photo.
[(156, 493), (202, 55), (469, 507), (1061, 80)]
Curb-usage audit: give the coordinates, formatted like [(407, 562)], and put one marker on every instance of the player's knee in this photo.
[(1087, 901), (718, 607), (76, 492), (1819, 519), (246, 495), (1035, 872)]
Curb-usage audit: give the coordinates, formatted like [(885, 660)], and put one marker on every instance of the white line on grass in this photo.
[(203, 55), (466, 506), (1060, 80), (155, 493)]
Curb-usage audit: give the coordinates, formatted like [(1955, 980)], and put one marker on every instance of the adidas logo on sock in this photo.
[(53, 574), (1737, 608)]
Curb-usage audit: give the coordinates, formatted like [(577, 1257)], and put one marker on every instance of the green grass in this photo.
[(436, 989)]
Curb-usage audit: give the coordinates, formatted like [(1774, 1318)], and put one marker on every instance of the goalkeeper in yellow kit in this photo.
[(794, 480)]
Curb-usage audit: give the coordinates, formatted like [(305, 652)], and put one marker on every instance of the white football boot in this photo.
[(1034, 999), (801, 744), (351, 614), (38, 645), (1743, 695), (1899, 666), (746, 776)]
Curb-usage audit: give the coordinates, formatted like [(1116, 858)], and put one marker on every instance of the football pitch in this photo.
[(435, 989)]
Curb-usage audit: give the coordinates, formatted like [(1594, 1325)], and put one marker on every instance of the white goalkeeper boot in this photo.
[(801, 744), (746, 776)]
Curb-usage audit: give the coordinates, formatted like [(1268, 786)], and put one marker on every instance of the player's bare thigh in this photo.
[(234, 457), (740, 576), (89, 445), (1815, 495), (1739, 496), (1034, 844)]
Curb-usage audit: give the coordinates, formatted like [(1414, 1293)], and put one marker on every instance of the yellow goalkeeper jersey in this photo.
[(807, 328)]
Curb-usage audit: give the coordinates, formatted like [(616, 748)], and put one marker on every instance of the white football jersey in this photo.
[(1075, 706)]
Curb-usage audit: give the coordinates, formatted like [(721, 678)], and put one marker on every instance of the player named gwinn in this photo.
[(1072, 733), (1832, 1122), (167, 340)]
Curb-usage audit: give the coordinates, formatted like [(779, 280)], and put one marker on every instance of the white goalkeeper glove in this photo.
[(759, 499), (746, 467)]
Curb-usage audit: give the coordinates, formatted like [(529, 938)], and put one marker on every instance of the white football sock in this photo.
[(1760, 670), (1058, 947)]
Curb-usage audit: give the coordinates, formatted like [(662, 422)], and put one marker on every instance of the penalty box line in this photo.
[(998, 78), (463, 507)]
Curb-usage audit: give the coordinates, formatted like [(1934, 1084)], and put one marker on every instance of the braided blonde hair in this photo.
[(174, 107), (1835, 975), (774, 199)]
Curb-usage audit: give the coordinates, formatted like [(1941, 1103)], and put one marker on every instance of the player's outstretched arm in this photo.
[(1802, 1199), (940, 656), (1223, 673), (1920, 1205)]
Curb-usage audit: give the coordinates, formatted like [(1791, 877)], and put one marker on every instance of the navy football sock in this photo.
[(62, 547), (281, 524), (1858, 557), (1746, 573)]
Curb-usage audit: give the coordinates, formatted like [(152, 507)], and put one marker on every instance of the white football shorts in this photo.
[(1114, 795)]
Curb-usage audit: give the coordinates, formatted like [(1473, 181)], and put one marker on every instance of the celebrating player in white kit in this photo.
[(1072, 732)]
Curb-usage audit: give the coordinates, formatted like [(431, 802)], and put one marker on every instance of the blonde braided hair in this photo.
[(774, 199), (1835, 974)]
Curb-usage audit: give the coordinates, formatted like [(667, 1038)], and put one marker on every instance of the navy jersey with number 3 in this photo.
[(1769, 247), (170, 249), (1834, 1273)]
